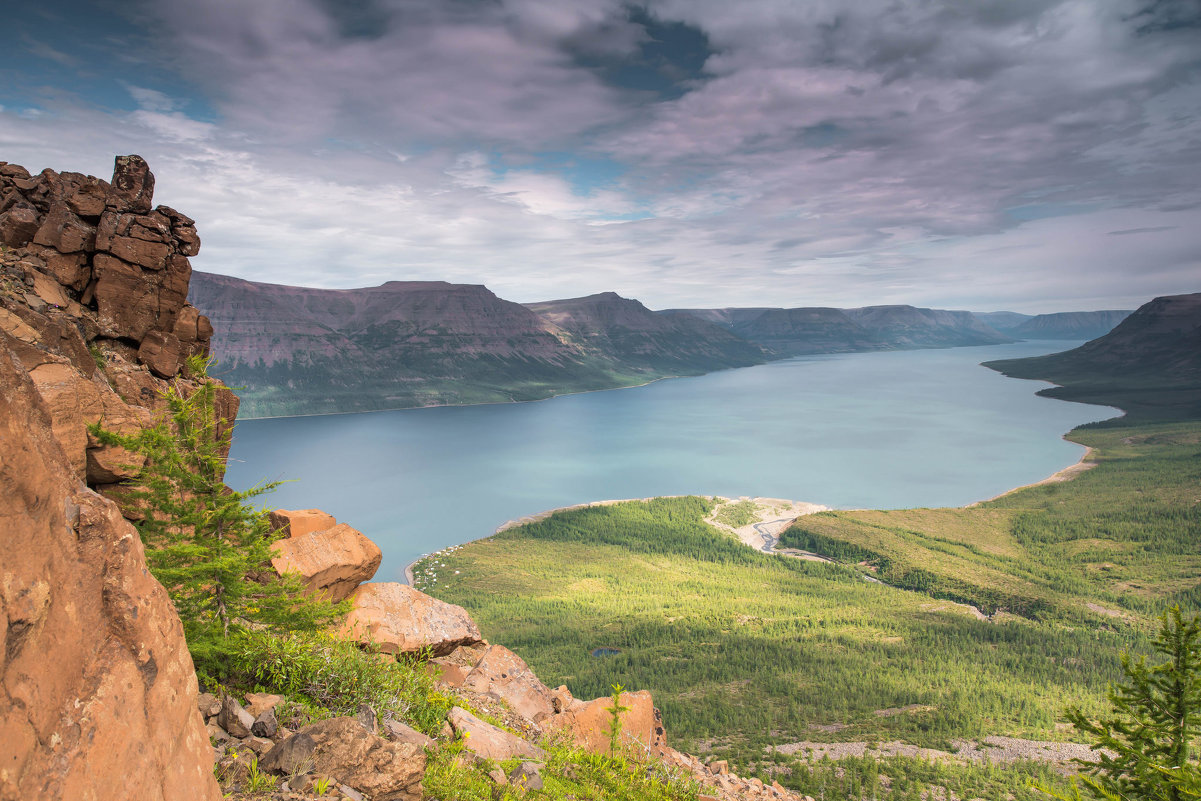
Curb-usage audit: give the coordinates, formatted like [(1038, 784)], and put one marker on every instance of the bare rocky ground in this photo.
[(990, 749)]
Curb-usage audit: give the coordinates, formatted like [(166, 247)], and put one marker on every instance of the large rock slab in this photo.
[(491, 742), (333, 562), (400, 619), (342, 748), (587, 722), (98, 698), (504, 675)]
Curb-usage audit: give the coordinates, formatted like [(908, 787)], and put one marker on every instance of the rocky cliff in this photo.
[(97, 691)]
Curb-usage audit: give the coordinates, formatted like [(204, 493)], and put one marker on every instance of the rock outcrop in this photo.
[(400, 619), (588, 722), (98, 697), (332, 562)]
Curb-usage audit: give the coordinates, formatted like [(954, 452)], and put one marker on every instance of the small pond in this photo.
[(605, 651)]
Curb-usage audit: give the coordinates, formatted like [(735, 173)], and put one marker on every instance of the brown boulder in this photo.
[(98, 698), (151, 255), (183, 229), (132, 188), (333, 562), (131, 302), (400, 619), (342, 747), (161, 352), (83, 194), (502, 674), (298, 522), (18, 226), (491, 742), (587, 722), (65, 232)]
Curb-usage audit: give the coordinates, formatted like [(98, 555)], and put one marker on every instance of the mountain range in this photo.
[(299, 350)]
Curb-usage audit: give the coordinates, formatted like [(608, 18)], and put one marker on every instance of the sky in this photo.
[(1027, 155)]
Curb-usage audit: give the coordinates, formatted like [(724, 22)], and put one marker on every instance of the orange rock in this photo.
[(400, 619), (502, 674), (588, 722), (333, 562), (491, 742), (298, 522), (97, 692)]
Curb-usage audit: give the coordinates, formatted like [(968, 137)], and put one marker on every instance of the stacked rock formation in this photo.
[(93, 300)]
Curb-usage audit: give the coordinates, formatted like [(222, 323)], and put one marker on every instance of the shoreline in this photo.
[(1066, 474), (490, 403)]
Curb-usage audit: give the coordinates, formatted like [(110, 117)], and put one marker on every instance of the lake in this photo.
[(864, 430)]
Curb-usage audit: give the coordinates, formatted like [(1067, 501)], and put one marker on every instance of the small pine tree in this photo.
[(204, 542), (1146, 747), (615, 711)]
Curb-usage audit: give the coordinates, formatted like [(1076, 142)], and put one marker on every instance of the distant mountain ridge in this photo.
[(298, 350), (1061, 325), (1149, 365), (806, 330)]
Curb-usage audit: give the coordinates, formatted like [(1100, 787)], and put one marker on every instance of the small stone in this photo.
[(350, 792), (498, 776), (208, 704), (719, 767), (366, 717), (258, 703), (259, 745), (233, 718), (526, 776), (265, 725), (298, 782)]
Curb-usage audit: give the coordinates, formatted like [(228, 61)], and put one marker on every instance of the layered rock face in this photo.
[(97, 690)]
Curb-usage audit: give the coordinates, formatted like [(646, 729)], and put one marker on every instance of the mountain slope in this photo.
[(805, 330), (624, 329), (1150, 365), (911, 327), (1069, 325), (297, 350)]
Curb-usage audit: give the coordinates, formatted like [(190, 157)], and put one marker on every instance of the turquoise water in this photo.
[(878, 430)]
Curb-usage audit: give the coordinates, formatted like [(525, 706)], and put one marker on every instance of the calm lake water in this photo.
[(878, 430)]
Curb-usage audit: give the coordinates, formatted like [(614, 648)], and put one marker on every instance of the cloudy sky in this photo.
[(1034, 155)]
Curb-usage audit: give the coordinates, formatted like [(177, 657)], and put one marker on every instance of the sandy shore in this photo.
[(1066, 474), (772, 517)]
